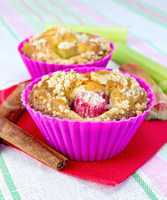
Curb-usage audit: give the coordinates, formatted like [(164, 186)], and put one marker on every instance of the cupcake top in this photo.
[(58, 45), (95, 96)]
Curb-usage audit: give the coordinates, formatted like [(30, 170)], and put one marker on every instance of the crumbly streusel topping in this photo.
[(58, 45), (54, 95)]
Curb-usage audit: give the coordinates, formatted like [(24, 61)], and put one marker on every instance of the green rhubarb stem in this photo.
[(125, 55)]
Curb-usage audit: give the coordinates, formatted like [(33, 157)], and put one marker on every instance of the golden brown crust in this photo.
[(54, 95), (58, 45)]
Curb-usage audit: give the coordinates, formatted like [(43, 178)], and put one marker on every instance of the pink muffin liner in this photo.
[(87, 141), (38, 68)]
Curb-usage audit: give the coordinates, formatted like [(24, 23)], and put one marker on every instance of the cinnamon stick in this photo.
[(159, 110), (28, 144), (11, 107)]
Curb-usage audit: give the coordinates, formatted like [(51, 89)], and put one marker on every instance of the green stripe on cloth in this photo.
[(28, 18), (1, 196), (8, 179), (154, 46), (3, 23), (163, 152), (151, 7), (145, 187), (136, 10), (71, 15)]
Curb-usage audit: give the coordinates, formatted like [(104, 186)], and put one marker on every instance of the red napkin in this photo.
[(147, 141)]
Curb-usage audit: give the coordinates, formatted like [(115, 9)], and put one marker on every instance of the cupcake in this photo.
[(58, 49), (88, 114)]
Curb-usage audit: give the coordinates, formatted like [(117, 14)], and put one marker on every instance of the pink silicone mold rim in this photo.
[(142, 83), (20, 46)]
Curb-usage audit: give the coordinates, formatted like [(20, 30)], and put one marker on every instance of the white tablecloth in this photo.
[(24, 178)]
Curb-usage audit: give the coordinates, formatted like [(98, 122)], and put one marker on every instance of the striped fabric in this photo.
[(26, 179)]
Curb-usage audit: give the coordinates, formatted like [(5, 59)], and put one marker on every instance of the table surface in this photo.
[(24, 178)]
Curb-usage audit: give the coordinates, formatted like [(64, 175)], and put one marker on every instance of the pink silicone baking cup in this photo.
[(38, 68), (87, 141)]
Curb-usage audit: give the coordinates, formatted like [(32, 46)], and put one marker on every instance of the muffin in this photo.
[(59, 48), (88, 113), (95, 96)]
